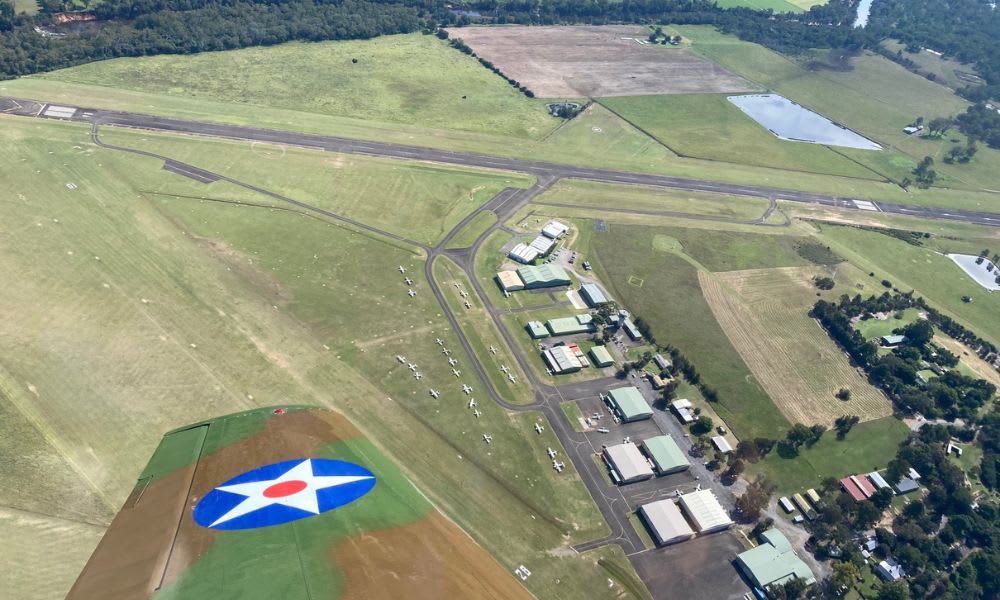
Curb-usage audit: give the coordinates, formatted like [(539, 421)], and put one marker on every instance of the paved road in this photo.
[(32, 108)]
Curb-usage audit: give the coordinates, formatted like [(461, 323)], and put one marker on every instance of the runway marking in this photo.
[(866, 205)]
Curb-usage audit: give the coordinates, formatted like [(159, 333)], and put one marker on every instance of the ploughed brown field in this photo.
[(595, 61)]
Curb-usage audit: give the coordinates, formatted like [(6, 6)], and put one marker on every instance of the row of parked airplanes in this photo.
[(411, 292)]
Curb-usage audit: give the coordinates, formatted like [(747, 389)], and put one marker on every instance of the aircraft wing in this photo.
[(283, 503)]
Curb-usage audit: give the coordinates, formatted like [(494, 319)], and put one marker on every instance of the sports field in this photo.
[(764, 313), (165, 310), (410, 79), (869, 446)]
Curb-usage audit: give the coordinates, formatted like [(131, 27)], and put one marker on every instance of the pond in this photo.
[(790, 121), (980, 273)]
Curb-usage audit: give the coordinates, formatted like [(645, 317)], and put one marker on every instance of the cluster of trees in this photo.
[(461, 46), (151, 27), (950, 395), (658, 37), (981, 123), (799, 435), (924, 172), (824, 283)]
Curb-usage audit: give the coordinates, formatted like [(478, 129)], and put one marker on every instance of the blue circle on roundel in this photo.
[(283, 492)]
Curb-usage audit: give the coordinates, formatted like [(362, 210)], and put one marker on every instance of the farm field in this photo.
[(868, 446), (178, 281), (409, 79), (595, 61), (709, 126), (933, 275), (420, 201), (577, 192), (662, 288), (764, 312)]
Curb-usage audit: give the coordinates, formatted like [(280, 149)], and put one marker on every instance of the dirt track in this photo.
[(596, 61)]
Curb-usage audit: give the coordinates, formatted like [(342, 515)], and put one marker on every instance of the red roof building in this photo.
[(866, 486), (852, 488)]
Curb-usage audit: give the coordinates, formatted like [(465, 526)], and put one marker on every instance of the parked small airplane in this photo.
[(558, 466), (411, 293), (472, 403), (493, 349), (402, 269), (435, 393), (603, 430), (488, 438), (417, 375), (538, 428), (477, 413), (511, 378), (467, 305), (452, 361), (412, 367), (464, 294), (466, 388), (551, 453), (439, 342), (401, 359), (445, 351), (408, 281), (456, 372), (504, 369)]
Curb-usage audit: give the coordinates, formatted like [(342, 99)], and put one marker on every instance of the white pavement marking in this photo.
[(866, 205)]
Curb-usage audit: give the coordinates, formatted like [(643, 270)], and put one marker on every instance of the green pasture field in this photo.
[(27, 7), (481, 331), (595, 194), (212, 310), (411, 79), (946, 70), (734, 250), (775, 5), (873, 329), (473, 229), (419, 201), (869, 446), (710, 127), (876, 98), (671, 301), (931, 274)]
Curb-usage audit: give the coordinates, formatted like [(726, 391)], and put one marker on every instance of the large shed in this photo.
[(509, 281), (554, 229), (666, 455), (773, 562), (542, 244), (601, 356), (593, 295), (665, 522), (543, 276), (630, 328), (536, 330), (582, 323), (705, 512), (629, 403), (627, 463), (561, 359), (523, 253)]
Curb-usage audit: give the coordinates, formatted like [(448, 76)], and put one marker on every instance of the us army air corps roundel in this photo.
[(283, 492)]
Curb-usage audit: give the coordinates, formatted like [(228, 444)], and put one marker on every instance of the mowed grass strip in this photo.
[(708, 126), (595, 194), (419, 201), (410, 79), (473, 229), (869, 446), (764, 312), (670, 300)]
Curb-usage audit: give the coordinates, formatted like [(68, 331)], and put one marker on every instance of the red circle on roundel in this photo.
[(285, 488)]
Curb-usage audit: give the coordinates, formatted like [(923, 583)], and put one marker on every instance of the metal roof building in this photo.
[(629, 403), (878, 480), (562, 360), (705, 512), (509, 281), (523, 253), (627, 463), (630, 328), (593, 295), (536, 330), (543, 276), (601, 356), (666, 455), (773, 562), (722, 444), (554, 229), (542, 244), (683, 409), (583, 323), (892, 340), (665, 522), (661, 362), (907, 485)]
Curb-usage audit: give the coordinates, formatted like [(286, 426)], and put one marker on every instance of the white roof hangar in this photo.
[(705, 511), (542, 245), (523, 253), (666, 522), (627, 463), (561, 359), (554, 229)]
